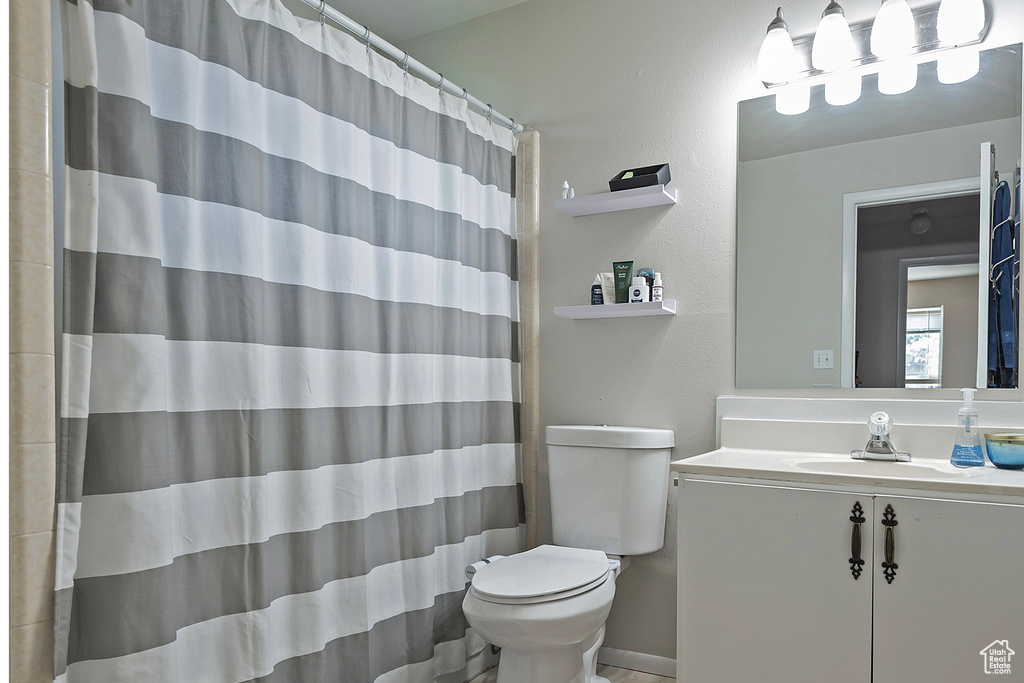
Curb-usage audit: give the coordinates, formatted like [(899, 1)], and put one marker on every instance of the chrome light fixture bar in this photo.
[(928, 41)]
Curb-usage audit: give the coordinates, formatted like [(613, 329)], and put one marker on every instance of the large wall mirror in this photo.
[(863, 256)]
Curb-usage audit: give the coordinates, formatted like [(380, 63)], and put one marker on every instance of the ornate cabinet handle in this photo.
[(889, 565), (856, 563)]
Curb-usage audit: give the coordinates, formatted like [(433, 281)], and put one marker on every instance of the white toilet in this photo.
[(546, 607)]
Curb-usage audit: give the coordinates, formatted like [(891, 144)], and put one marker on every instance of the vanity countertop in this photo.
[(835, 469)]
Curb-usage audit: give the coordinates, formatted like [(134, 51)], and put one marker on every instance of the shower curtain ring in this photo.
[(323, 11), (405, 63), (465, 94), (366, 39), (490, 110), (440, 83)]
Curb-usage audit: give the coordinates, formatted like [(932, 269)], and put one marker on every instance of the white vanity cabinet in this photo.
[(959, 587), (768, 592)]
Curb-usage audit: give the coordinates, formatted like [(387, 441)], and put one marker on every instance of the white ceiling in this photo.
[(398, 20)]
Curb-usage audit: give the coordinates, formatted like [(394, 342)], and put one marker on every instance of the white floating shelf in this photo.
[(667, 307), (606, 202)]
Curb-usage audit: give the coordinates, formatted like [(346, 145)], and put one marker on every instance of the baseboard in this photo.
[(637, 661)]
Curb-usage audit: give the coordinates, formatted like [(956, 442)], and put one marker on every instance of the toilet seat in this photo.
[(542, 598), (543, 574)]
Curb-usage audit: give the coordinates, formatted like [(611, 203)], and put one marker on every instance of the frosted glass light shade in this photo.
[(893, 34), (776, 62), (832, 48), (960, 20), (842, 89), (793, 99), (897, 77), (958, 65), (920, 222)]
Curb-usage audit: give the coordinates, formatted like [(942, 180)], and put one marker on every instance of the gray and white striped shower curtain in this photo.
[(289, 407)]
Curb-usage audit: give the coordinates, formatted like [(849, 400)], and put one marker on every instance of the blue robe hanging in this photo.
[(1002, 320)]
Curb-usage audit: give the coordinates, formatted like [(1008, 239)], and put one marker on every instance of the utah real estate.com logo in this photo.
[(997, 657)]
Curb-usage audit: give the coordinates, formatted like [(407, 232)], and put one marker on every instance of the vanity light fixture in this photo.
[(892, 38), (958, 21), (892, 46), (833, 50), (776, 63), (843, 88), (793, 99), (959, 66)]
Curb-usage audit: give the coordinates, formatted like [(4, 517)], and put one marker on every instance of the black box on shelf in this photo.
[(642, 177)]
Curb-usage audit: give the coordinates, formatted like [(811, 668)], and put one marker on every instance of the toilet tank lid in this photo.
[(604, 436)]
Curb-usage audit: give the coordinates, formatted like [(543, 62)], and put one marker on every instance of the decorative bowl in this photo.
[(1006, 450)]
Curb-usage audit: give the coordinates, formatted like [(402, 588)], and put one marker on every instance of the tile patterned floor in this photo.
[(613, 674)]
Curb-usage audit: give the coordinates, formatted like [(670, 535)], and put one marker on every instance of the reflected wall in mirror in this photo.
[(827, 258)]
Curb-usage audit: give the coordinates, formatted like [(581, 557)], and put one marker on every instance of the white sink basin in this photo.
[(926, 474), (874, 468)]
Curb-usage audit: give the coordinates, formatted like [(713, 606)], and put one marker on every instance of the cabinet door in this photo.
[(957, 588), (766, 591)]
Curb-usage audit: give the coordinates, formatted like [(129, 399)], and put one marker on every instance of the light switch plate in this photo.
[(823, 359)]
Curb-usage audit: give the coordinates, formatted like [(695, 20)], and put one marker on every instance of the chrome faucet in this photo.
[(879, 447)]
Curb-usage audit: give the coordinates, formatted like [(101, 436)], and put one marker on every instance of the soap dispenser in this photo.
[(967, 447)]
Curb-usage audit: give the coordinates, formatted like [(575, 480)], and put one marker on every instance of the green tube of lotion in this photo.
[(623, 271)]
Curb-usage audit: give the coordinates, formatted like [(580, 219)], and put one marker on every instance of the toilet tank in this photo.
[(609, 487)]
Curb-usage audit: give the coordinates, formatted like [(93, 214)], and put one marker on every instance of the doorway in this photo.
[(916, 254)]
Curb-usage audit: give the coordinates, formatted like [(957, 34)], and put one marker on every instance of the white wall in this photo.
[(611, 85)]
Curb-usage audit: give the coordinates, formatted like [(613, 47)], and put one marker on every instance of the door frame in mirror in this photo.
[(891, 195), (903, 278)]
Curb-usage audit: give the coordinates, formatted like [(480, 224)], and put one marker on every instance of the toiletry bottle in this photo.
[(596, 292), (608, 285), (647, 274), (623, 271), (657, 291), (638, 291), (967, 447)]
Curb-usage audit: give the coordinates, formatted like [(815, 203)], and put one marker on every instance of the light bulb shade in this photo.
[(921, 222), (776, 62), (895, 78), (833, 47), (793, 99), (893, 34), (958, 65), (842, 89), (960, 21)]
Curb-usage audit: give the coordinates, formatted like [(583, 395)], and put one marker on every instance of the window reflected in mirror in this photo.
[(923, 348)]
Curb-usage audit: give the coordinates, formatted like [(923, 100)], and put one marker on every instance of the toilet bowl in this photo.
[(546, 608)]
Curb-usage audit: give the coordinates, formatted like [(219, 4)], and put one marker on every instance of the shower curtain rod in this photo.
[(405, 60)]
